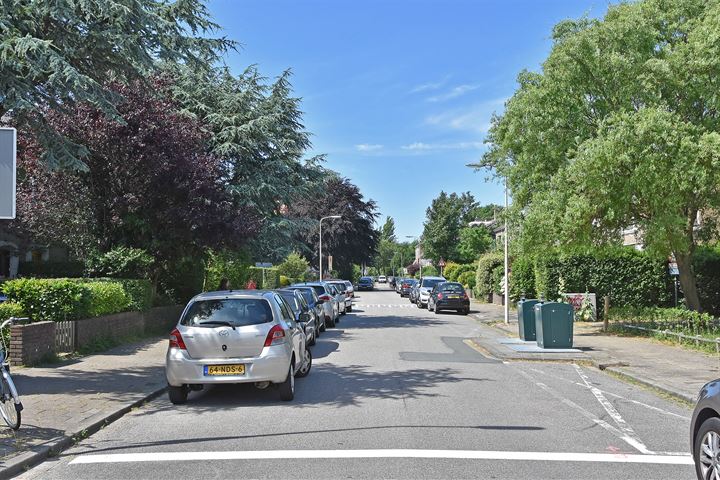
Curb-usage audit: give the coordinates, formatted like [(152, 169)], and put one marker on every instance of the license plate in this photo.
[(219, 370), (453, 296)]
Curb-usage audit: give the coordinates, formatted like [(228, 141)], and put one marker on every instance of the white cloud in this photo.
[(420, 146), (476, 118), (455, 92), (430, 85), (367, 147)]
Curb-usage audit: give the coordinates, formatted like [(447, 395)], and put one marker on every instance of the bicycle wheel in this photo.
[(8, 409)]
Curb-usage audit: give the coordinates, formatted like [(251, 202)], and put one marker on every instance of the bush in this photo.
[(498, 274), (707, 269), (285, 281), (451, 271), (484, 282), (271, 277), (429, 271), (51, 269), (138, 290), (522, 279), (107, 298), (294, 266), (660, 316), (232, 265), (467, 279), (10, 309), (120, 262), (49, 299)]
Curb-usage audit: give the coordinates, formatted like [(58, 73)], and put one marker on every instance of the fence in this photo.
[(65, 338)]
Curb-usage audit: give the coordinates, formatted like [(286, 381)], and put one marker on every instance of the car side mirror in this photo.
[(304, 317)]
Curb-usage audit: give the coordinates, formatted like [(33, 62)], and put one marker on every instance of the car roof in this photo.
[(434, 278), (213, 295)]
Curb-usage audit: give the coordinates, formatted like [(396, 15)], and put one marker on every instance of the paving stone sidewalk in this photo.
[(77, 397), (675, 370)]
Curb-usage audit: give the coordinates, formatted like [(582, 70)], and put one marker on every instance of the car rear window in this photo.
[(319, 289), (236, 312), (291, 300), (430, 283), (306, 293), (453, 287)]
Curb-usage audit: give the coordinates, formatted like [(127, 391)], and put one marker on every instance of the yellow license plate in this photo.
[(453, 296), (216, 370)]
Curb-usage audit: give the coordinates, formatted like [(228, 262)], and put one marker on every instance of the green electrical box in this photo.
[(526, 319), (554, 325)]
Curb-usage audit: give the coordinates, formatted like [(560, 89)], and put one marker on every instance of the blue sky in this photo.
[(399, 93)]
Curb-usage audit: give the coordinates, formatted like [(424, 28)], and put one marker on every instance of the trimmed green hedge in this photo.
[(707, 269), (10, 309), (139, 290), (484, 281), (106, 298), (522, 279)]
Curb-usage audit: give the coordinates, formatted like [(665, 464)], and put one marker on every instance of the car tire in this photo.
[(287, 387), (177, 395), (323, 327), (437, 311), (709, 426), (305, 370), (329, 323), (314, 338), (349, 309), (428, 307)]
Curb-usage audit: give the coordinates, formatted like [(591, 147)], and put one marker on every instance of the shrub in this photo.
[(451, 271), (138, 290), (284, 281), (429, 271), (10, 309), (522, 279), (107, 298), (232, 265), (498, 274), (484, 282), (271, 277), (294, 266), (656, 315), (120, 262), (49, 299), (707, 269), (467, 279)]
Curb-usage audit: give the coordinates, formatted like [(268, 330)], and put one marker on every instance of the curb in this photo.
[(26, 460)]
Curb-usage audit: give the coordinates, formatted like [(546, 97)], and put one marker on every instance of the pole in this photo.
[(676, 291), (507, 277), (321, 277), (606, 313)]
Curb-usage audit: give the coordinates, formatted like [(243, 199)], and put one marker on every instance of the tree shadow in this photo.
[(28, 438), (390, 321)]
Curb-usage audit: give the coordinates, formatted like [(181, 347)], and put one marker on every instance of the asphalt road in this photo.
[(396, 393)]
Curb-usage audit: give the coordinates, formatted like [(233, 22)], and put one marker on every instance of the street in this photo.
[(395, 391)]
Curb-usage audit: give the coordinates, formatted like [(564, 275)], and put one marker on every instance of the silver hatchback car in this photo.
[(244, 336)]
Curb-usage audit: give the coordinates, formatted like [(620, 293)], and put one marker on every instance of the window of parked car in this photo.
[(292, 300), (308, 294), (235, 312), (430, 282), (451, 287), (285, 310)]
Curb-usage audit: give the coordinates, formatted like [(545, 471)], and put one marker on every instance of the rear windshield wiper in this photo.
[(217, 322)]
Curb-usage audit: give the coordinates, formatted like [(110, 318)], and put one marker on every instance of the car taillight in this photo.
[(325, 297), (275, 336), (176, 340), (440, 296)]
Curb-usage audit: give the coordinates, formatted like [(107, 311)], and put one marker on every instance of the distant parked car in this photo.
[(304, 315), (425, 285), (326, 293), (244, 336), (365, 283), (321, 308), (391, 281), (705, 431), (339, 298), (382, 279), (343, 288), (449, 296), (406, 286)]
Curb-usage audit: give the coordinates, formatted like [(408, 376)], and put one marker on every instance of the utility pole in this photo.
[(507, 266)]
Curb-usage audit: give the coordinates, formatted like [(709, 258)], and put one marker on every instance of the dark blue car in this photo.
[(365, 283)]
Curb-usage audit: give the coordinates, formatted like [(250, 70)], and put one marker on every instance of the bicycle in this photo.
[(10, 405)]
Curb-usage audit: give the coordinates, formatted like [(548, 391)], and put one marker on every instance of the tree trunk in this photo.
[(688, 281)]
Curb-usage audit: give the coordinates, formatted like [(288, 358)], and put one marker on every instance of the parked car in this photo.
[(365, 283), (314, 302), (382, 279), (339, 298), (705, 430), (350, 288), (413, 295), (391, 281), (406, 286), (425, 285), (449, 296), (326, 294), (304, 315), (243, 336), (343, 288)]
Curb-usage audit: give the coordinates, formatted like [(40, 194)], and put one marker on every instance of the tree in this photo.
[(54, 55), (474, 241), (445, 217), (388, 230), (351, 239), (621, 128), (294, 266)]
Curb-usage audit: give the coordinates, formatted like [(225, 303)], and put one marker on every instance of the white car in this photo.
[(382, 279), (244, 336), (425, 286)]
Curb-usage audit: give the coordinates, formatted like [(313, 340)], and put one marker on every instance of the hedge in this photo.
[(484, 282), (106, 298), (451, 271), (139, 290), (10, 309), (660, 316), (232, 265), (271, 277), (706, 264), (467, 279), (522, 279)]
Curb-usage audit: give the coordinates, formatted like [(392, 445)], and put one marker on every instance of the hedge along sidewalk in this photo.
[(64, 403), (673, 370)]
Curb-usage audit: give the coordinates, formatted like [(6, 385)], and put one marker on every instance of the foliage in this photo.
[(474, 241), (106, 298), (451, 271), (119, 262), (270, 276), (356, 274), (706, 265), (387, 232), (484, 281), (467, 279), (57, 54), (621, 128), (386, 250), (138, 290), (444, 218), (232, 265), (294, 266), (430, 271), (522, 279), (10, 309), (498, 274), (285, 281), (49, 299), (413, 268), (662, 316), (51, 269)]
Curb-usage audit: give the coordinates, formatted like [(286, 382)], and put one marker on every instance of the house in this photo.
[(16, 252)]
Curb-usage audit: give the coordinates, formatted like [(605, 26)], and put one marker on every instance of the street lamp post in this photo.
[(507, 279), (321, 257)]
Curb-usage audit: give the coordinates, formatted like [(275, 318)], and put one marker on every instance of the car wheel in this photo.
[(287, 388), (314, 338), (330, 323), (429, 307), (349, 309), (437, 311), (323, 327), (707, 448), (178, 395), (305, 368)]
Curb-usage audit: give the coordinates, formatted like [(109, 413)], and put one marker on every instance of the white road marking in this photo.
[(390, 453), (384, 305), (612, 411)]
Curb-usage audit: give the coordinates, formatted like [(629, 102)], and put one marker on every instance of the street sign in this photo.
[(673, 268), (8, 139), (441, 263), (263, 265)]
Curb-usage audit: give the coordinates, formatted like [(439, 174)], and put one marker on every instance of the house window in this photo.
[(36, 256)]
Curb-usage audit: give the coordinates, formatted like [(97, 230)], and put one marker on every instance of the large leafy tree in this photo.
[(620, 128), (351, 239), (56, 54), (444, 218), (387, 232), (474, 241)]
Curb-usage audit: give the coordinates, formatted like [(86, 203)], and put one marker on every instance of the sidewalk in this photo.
[(674, 370), (76, 398)]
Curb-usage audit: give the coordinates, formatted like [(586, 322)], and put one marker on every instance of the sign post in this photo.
[(675, 272), (441, 264), (8, 153)]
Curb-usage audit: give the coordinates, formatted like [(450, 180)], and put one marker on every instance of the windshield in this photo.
[(365, 280), (235, 312), (430, 282)]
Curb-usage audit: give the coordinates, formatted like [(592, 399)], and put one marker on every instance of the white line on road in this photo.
[(390, 453)]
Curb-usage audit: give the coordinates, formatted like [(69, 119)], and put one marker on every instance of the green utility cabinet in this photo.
[(526, 319), (554, 324)]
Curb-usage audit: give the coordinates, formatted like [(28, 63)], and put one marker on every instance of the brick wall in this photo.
[(31, 343), (161, 320), (117, 325)]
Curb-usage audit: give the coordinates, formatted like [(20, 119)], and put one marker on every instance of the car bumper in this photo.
[(453, 304), (270, 366), (423, 299)]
